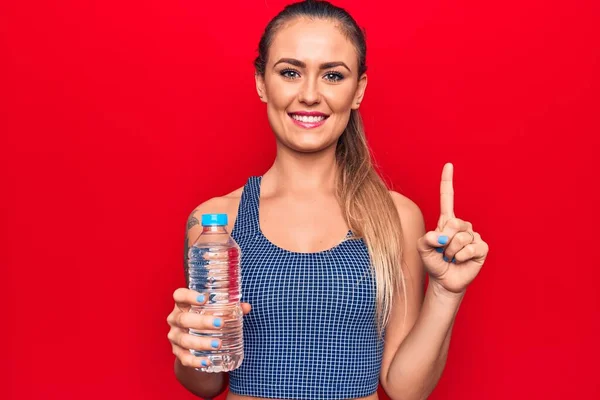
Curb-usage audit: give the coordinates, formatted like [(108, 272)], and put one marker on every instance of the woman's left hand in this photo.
[(454, 253)]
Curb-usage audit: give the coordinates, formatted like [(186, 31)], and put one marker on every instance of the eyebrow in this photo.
[(301, 64)]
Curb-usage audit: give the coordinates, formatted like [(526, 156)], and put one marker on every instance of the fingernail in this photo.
[(443, 239), (446, 259), (214, 344), (200, 299), (454, 260), (439, 249), (217, 322), (204, 363)]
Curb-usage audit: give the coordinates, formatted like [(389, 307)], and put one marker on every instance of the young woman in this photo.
[(333, 264)]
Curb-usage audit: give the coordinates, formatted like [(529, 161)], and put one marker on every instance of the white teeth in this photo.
[(309, 119)]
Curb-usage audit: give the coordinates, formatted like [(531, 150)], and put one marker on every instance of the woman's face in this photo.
[(311, 84)]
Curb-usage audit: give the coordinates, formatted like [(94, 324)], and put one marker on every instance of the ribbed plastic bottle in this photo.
[(214, 270)]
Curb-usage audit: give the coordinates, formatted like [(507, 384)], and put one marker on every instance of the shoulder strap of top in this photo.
[(246, 223)]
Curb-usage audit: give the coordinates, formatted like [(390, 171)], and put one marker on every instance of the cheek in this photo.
[(340, 98), (280, 95), (273, 114)]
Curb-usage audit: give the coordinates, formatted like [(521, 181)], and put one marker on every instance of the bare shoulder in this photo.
[(410, 214), (227, 204), (221, 203)]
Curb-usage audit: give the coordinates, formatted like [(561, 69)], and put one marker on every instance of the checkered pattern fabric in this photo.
[(311, 333)]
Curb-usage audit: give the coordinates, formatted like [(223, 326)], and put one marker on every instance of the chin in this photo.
[(310, 145)]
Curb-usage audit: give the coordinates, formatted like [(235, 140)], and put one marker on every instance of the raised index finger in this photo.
[(447, 191)]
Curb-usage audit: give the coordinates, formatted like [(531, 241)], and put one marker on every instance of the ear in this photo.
[(260, 87), (360, 92)]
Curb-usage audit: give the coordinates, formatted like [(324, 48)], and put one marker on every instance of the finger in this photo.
[(466, 253), (187, 341), (458, 242), (192, 342), (451, 228), (474, 251), (429, 246), (431, 241), (192, 320), (187, 359), (447, 191), (246, 308), (185, 298)]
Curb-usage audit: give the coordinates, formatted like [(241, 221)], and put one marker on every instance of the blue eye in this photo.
[(290, 73), (334, 76)]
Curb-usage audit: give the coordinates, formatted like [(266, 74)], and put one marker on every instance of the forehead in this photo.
[(312, 41)]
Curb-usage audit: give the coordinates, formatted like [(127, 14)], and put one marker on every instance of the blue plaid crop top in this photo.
[(311, 333)]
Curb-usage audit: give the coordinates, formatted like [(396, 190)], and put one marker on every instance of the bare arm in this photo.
[(414, 358), (416, 349), (202, 384), (420, 359)]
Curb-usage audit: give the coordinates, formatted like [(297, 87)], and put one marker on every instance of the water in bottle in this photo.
[(214, 269)]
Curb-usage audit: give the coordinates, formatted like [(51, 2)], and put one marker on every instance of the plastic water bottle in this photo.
[(214, 269)]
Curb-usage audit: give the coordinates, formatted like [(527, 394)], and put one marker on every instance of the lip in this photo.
[(309, 113), (308, 125)]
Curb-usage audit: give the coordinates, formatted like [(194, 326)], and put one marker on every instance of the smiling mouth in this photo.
[(308, 121)]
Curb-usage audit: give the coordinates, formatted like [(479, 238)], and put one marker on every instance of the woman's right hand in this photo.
[(181, 320)]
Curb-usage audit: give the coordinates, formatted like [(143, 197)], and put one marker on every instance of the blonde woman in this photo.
[(333, 264)]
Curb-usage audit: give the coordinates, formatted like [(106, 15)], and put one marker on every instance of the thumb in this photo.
[(430, 249), (431, 241), (246, 308)]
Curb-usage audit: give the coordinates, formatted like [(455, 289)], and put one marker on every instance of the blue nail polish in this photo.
[(217, 322), (200, 298), (454, 260), (439, 249), (446, 259), (204, 363), (443, 239), (214, 344)]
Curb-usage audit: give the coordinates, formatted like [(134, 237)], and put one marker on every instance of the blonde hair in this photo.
[(365, 200), (371, 214)]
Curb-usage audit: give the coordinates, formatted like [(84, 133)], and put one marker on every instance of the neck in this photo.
[(293, 171)]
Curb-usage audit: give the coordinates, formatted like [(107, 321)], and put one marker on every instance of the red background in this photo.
[(118, 118)]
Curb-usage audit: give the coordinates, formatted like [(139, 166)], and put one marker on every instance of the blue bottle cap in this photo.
[(214, 219)]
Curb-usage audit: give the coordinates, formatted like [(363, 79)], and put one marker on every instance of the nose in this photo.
[(309, 92)]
